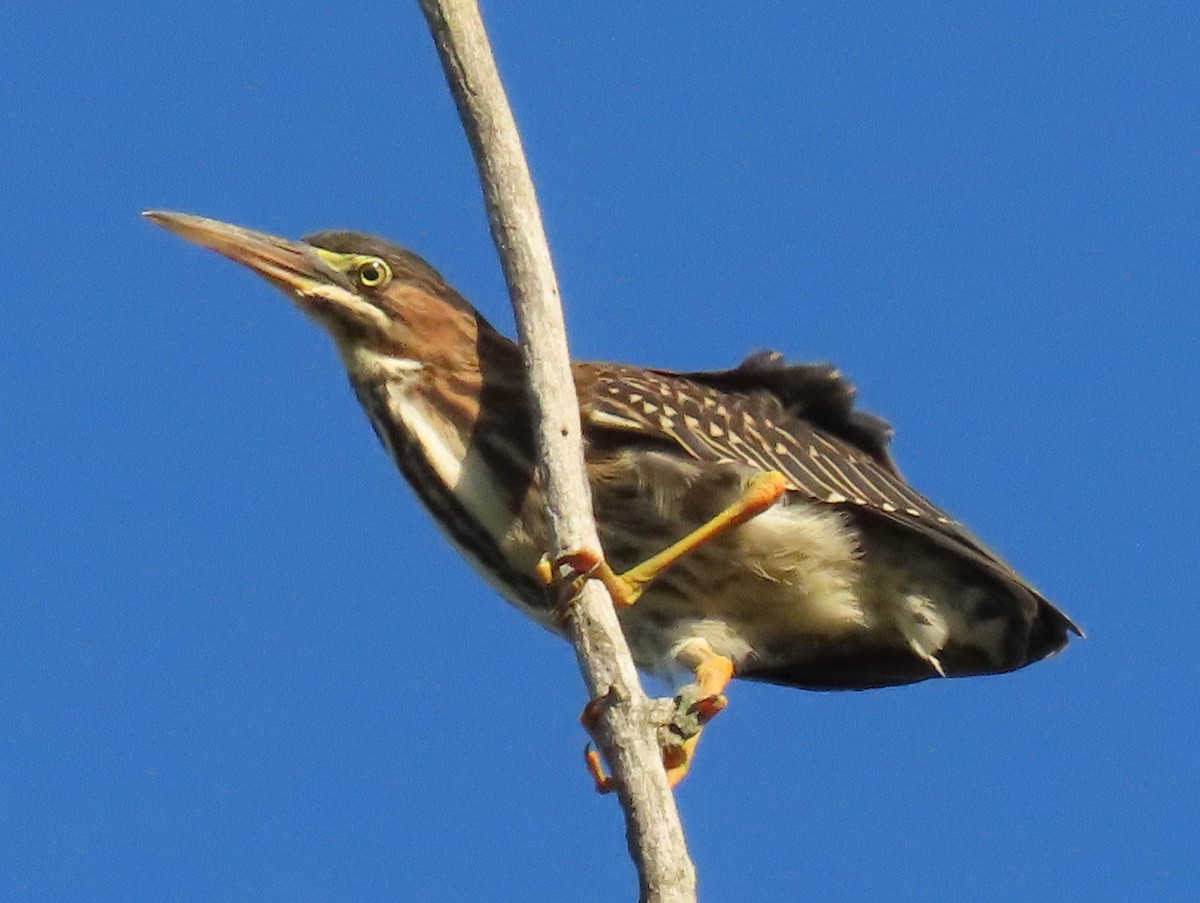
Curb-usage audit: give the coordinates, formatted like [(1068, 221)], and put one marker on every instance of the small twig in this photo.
[(624, 730)]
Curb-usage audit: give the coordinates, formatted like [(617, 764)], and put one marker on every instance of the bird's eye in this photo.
[(374, 273)]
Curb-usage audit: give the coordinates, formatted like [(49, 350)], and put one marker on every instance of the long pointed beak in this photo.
[(291, 265)]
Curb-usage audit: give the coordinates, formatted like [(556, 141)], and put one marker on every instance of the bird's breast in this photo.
[(457, 485)]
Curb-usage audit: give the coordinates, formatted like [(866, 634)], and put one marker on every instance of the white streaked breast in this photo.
[(469, 478)]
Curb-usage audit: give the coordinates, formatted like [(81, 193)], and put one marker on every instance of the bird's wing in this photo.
[(798, 420), (817, 393), (804, 433)]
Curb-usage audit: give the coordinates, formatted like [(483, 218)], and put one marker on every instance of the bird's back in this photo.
[(854, 580)]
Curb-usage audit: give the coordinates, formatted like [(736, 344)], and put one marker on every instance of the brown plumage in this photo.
[(852, 580)]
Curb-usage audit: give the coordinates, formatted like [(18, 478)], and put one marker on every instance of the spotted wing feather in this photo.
[(755, 427), (798, 420), (818, 393)]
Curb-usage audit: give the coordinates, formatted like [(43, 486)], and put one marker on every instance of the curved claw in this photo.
[(595, 767)]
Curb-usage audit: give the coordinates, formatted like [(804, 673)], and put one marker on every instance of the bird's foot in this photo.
[(678, 735), (572, 570), (679, 722), (696, 704), (678, 739)]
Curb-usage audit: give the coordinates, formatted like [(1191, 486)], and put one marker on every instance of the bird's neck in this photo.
[(458, 428), (461, 406)]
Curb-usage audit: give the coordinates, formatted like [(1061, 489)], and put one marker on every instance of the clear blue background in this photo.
[(238, 663)]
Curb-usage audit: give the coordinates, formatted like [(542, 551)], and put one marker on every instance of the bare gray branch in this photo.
[(625, 732)]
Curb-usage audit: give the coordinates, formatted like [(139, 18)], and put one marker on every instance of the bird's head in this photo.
[(383, 305)]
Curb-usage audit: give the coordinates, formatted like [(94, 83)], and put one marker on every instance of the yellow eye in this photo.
[(374, 272)]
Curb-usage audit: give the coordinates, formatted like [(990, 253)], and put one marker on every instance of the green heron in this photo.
[(754, 514)]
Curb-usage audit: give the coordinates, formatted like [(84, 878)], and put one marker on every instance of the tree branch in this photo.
[(625, 733)]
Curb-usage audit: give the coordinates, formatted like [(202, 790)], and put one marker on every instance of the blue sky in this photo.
[(238, 662)]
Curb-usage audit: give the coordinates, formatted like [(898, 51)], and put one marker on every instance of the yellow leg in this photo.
[(625, 589)]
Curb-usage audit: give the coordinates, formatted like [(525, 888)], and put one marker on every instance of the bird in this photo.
[(753, 523)]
